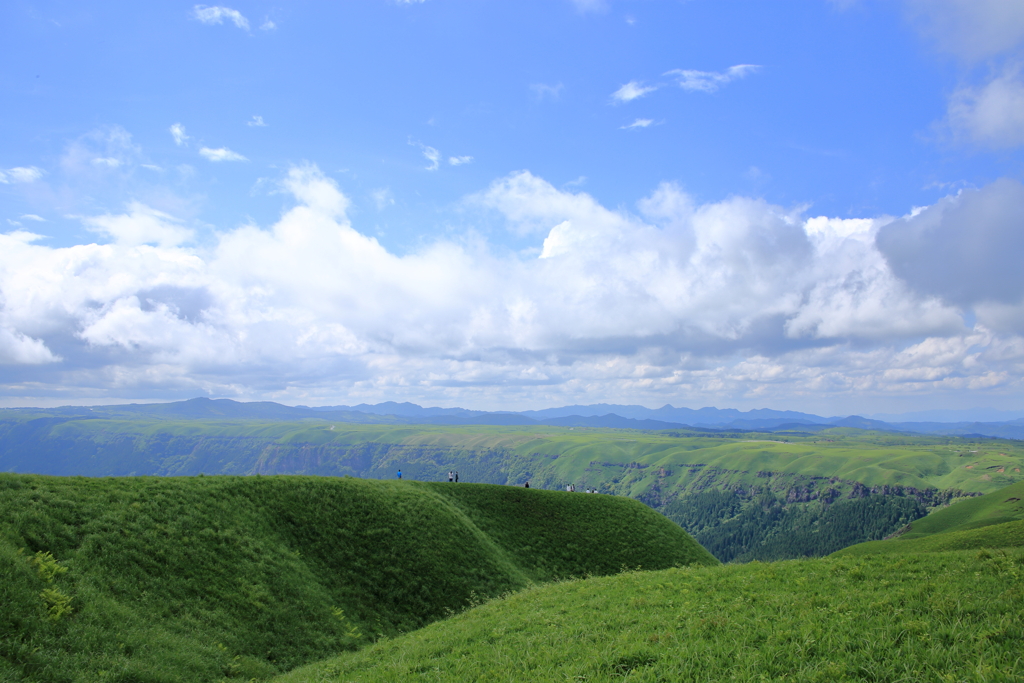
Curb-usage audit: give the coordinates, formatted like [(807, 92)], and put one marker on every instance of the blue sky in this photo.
[(812, 205)]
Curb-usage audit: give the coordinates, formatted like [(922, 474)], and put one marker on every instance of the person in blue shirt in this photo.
[(399, 474)]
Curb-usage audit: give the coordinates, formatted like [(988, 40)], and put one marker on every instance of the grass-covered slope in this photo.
[(995, 520), (938, 617), (1004, 505), (995, 536), (197, 579)]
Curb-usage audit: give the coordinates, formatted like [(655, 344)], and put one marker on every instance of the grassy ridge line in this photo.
[(200, 578), (937, 617)]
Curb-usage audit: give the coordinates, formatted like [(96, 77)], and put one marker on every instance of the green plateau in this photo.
[(743, 495), (159, 579)]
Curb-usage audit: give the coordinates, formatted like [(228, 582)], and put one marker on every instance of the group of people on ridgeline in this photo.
[(453, 477)]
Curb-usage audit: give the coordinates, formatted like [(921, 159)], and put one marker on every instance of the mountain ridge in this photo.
[(597, 415)]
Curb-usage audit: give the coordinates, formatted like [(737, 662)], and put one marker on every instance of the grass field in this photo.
[(148, 580), (952, 616)]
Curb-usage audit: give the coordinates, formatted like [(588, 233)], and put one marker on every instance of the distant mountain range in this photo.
[(595, 415)]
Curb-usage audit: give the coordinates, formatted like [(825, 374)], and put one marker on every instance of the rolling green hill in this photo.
[(929, 617), (1004, 505), (995, 520), (744, 496), (198, 579)]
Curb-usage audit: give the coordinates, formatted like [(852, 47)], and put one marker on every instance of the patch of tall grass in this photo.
[(930, 617)]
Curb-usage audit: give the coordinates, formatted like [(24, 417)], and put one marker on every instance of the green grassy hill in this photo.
[(1005, 535), (203, 578), (929, 617), (995, 520), (1004, 505)]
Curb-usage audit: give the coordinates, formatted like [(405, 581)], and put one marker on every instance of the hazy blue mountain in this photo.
[(983, 415), (401, 409), (594, 415), (668, 413)]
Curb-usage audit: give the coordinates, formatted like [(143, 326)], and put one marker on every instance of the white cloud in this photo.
[(220, 154), (268, 25), (20, 174), (102, 151), (256, 121), (178, 133), (382, 198), (971, 29), (631, 91), (430, 154), (984, 110), (141, 225), (991, 114), (639, 123), (18, 349), (216, 15), (32, 217), (710, 81), (584, 6), (543, 90), (734, 300), (459, 161)]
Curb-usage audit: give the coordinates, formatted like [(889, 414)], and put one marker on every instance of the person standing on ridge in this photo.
[(449, 476), (399, 474), (456, 476)]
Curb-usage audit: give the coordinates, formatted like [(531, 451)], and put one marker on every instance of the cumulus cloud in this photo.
[(217, 15), (965, 249), (632, 90), (459, 161), (220, 154), (20, 174), (256, 121), (737, 299), (710, 81), (141, 225)]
